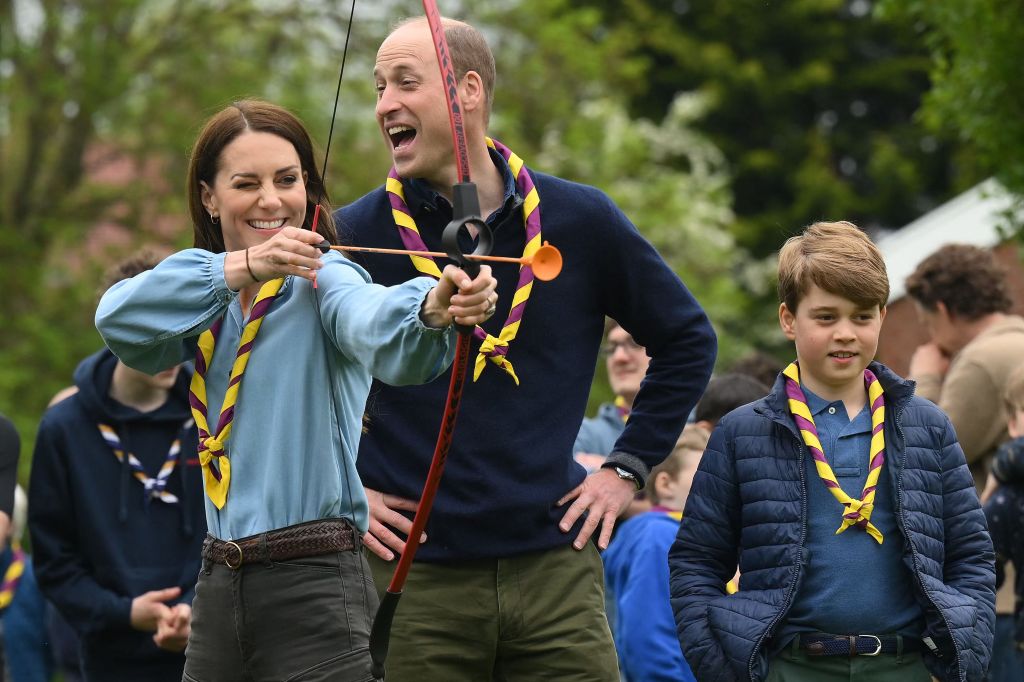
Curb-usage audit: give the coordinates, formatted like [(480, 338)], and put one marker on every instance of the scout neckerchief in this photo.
[(12, 577), (856, 512), (622, 407), (154, 487), (216, 467), (491, 348)]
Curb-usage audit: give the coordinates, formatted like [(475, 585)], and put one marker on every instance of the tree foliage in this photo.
[(812, 102), (98, 104), (720, 128), (977, 49)]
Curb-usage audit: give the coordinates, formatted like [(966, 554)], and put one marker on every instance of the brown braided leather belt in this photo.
[(312, 538)]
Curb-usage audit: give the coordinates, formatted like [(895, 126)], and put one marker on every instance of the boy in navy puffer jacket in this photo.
[(845, 500)]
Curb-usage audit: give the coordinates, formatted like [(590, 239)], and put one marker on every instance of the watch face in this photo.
[(627, 476)]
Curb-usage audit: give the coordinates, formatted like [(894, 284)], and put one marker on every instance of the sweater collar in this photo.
[(420, 196)]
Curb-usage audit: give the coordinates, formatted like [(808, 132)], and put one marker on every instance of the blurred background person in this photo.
[(636, 570), (963, 299), (28, 651), (10, 449), (1004, 510), (118, 521), (760, 366), (724, 394), (627, 363)]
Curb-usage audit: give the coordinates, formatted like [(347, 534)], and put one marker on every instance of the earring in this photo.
[(214, 218)]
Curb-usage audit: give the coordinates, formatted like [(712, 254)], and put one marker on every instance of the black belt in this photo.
[(856, 645)]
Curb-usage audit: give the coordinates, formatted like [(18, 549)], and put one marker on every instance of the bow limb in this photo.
[(465, 212)]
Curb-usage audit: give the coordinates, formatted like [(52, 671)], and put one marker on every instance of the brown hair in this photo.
[(839, 258), (469, 52), (693, 439), (219, 132), (1013, 396), (966, 279), (136, 263)]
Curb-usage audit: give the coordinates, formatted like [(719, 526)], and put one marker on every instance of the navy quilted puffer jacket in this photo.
[(748, 505)]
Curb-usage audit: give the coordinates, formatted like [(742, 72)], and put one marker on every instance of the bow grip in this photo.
[(466, 212)]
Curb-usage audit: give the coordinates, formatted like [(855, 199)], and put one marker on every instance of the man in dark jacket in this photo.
[(117, 519), (904, 589), (513, 503)]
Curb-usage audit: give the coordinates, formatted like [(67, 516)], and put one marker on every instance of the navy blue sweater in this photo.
[(96, 543), (511, 458)]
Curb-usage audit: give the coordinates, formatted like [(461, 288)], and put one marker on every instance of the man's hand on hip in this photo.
[(602, 496)]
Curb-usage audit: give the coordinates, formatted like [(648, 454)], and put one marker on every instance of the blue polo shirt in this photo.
[(849, 583)]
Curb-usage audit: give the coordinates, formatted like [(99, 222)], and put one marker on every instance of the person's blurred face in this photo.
[(941, 328), (411, 109), (672, 491), (162, 381), (258, 190), (627, 363)]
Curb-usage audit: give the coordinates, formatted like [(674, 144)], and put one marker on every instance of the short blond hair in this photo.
[(694, 438), (840, 259), (1014, 393)]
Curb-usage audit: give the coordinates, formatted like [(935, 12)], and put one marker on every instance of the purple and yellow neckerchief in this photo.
[(623, 408), (154, 487), (212, 457), (676, 514), (855, 512), (492, 348), (12, 576)]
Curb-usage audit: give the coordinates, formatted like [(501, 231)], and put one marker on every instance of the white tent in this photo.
[(979, 216)]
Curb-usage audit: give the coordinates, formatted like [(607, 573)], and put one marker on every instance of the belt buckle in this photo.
[(878, 644), (231, 543)]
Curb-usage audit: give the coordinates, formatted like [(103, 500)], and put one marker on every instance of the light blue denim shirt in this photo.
[(292, 457)]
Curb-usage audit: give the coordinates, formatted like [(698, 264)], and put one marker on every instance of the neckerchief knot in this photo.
[(212, 446), (856, 512), (493, 349), (154, 487)]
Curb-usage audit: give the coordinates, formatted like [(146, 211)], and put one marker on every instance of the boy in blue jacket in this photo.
[(636, 570), (845, 500)]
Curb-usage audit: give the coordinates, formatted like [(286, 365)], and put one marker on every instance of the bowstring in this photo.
[(316, 299)]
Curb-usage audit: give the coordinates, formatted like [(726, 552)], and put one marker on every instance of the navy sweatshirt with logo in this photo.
[(97, 543), (511, 458)]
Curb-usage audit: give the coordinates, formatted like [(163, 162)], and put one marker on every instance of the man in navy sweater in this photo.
[(507, 585)]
